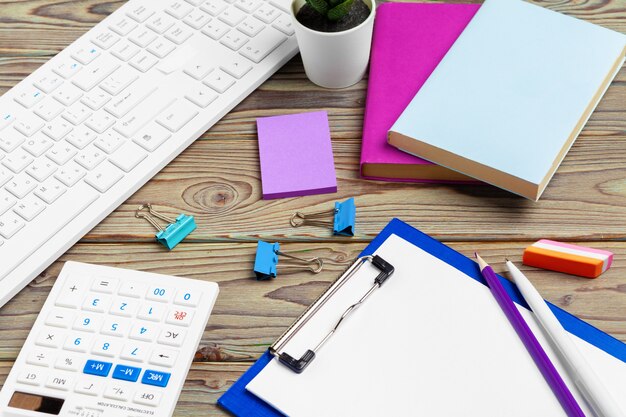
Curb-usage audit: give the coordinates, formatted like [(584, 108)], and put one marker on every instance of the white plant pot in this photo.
[(335, 59)]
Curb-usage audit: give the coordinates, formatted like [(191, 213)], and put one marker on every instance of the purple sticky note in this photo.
[(296, 155)]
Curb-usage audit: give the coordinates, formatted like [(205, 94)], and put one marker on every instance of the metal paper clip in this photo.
[(344, 216), (299, 364), (176, 230), (266, 261)]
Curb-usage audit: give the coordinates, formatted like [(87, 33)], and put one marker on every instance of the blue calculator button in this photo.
[(97, 368), (126, 373), (156, 378)]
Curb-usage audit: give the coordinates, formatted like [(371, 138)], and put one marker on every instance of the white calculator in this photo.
[(109, 342)]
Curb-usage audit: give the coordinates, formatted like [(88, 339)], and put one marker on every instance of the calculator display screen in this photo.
[(33, 402)]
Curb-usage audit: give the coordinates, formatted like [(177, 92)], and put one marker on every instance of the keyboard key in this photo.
[(70, 173), (178, 9), (124, 50), (40, 170), (172, 336), (10, 141), (143, 61), (159, 293), (123, 26), (251, 26), (97, 368), (6, 201), (28, 124), (60, 317), (234, 40), (200, 95), (48, 109), (107, 346), (105, 39), (29, 97), (100, 121), (104, 177), (197, 19), (89, 386), (117, 392), (95, 99), (71, 294), (77, 342), (62, 383), (284, 5), (109, 142), (87, 323), (50, 338), (20, 185), (134, 352), (214, 7), (160, 23), (90, 158), (151, 312), (132, 289), (97, 303), (232, 16), (125, 307), (139, 116), (134, 95), (113, 326), (77, 113), (248, 6), (195, 2), (48, 82), (50, 190), (142, 37), (140, 13), (68, 362), (81, 137), (161, 48), (237, 67), (86, 54), (149, 398), (267, 13), (119, 80), (261, 46), (143, 332), (187, 298), (178, 34), (29, 207), (10, 224), (105, 285), (199, 67), (156, 378), (219, 81), (128, 156), (31, 377), (37, 145), (179, 317), (67, 94), (284, 23), (17, 160), (215, 29), (177, 115), (151, 137), (40, 357), (67, 69), (163, 357), (6, 119), (91, 76), (61, 153), (126, 373), (57, 129)]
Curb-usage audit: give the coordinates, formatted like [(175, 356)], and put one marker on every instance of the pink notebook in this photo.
[(409, 41)]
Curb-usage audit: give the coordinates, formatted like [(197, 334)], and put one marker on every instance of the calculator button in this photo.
[(60, 317), (151, 312), (77, 342), (126, 373), (180, 317), (124, 307), (150, 398), (62, 383), (117, 392), (156, 378), (114, 327), (97, 368), (68, 363), (86, 323), (40, 357), (50, 338), (106, 347), (159, 293), (172, 336), (187, 298), (96, 303), (134, 352), (31, 377), (104, 284), (132, 289), (143, 332), (71, 294), (163, 357), (89, 386)]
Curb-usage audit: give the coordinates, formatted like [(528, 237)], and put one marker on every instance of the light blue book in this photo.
[(512, 94)]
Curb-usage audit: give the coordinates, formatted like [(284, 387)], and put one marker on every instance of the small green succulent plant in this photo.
[(333, 10)]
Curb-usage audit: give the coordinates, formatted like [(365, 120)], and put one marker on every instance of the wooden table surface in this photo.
[(217, 180)]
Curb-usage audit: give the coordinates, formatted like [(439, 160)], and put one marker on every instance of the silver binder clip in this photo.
[(176, 230), (344, 217)]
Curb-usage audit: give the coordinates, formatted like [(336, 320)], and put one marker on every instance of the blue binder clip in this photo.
[(176, 230), (344, 217), (266, 261)]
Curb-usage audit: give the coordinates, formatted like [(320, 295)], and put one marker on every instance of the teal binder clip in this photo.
[(176, 230), (344, 217), (266, 261)]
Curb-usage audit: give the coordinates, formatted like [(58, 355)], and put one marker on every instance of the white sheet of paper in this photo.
[(430, 342)]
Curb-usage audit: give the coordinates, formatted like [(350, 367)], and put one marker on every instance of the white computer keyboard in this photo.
[(93, 124), (109, 342)]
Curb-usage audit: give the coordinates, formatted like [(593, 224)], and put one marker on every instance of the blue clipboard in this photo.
[(245, 404)]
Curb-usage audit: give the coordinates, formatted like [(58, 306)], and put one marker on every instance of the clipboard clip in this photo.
[(176, 230), (344, 217), (266, 261), (298, 365)]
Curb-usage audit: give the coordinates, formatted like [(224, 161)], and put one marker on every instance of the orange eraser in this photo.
[(571, 259)]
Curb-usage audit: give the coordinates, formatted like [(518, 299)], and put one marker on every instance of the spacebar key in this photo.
[(47, 224), (142, 114)]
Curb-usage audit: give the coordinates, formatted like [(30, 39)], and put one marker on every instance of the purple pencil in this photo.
[(542, 361)]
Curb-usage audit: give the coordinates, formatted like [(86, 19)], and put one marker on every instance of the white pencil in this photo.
[(576, 366)]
